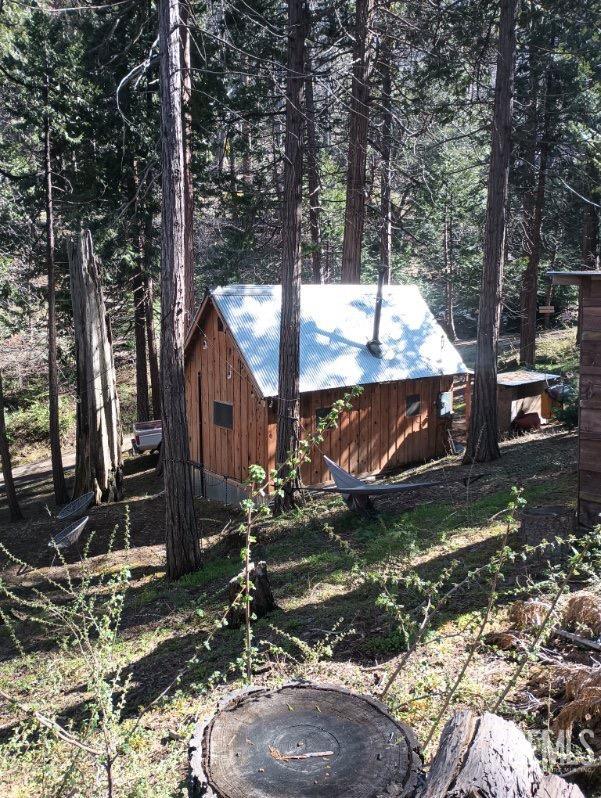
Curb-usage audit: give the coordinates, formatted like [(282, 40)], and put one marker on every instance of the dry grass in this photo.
[(580, 687), (583, 613), (527, 614)]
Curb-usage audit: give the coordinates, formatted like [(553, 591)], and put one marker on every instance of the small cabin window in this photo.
[(223, 415), (413, 405), (445, 404), (321, 413), (219, 324)]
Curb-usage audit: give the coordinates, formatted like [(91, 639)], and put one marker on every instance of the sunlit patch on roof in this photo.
[(336, 324)]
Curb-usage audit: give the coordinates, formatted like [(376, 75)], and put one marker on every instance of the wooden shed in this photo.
[(232, 351), (589, 427), (520, 392)]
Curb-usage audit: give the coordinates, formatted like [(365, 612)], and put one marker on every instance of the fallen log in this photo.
[(577, 640)]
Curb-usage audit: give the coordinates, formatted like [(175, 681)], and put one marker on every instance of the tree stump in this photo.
[(98, 457), (556, 787), (302, 739), (489, 757), (546, 523), (262, 602)]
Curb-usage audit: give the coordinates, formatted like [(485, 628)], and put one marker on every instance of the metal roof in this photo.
[(523, 377), (572, 278), (336, 324)]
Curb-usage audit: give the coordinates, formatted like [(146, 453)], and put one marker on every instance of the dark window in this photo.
[(321, 413), (219, 324), (223, 415), (413, 404)]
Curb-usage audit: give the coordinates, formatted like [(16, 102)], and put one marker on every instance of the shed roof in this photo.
[(574, 277), (524, 377), (336, 324)]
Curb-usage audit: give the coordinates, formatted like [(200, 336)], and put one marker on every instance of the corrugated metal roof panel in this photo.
[(336, 324), (523, 377)]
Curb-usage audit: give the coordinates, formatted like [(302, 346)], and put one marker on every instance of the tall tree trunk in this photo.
[(482, 444), (533, 225), (188, 185), (529, 293), (449, 269), (142, 405), (182, 545), (385, 170), (313, 182), (590, 223), (5, 462), (58, 475), (153, 360), (147, 271), (289, 365), (354, 215), (99, 463)]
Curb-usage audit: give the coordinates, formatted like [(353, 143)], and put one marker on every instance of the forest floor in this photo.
[(329, 571)]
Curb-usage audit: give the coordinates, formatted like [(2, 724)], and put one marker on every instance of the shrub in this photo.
[(31, 423)]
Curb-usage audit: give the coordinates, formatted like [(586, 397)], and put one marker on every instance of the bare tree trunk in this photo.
[(58, 475), (482, 444), (550, 289), (533, 223), (354, 215), (590, 225), (289, 366), (99, 464), (186, 63), (313, 174), (142, 406), (182, 545), (385, 170), (449, 268), (5, 461), (153, 360), (530, 278), (137, 234)]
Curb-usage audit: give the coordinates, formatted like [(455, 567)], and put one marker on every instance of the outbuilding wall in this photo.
[(590, 403), (215, 371)]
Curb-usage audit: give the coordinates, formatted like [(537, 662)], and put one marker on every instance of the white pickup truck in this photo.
[(147, 436)]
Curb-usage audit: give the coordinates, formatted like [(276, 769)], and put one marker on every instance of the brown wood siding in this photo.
[(589, 437), (515, 399), (376, 435), (223, 378)]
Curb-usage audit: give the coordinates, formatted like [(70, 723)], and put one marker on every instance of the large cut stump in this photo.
[(556, 787), (489, 757), (309, 740), (551, 523)]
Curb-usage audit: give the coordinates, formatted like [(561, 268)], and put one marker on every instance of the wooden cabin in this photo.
[(589, 426), (231, 361)]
